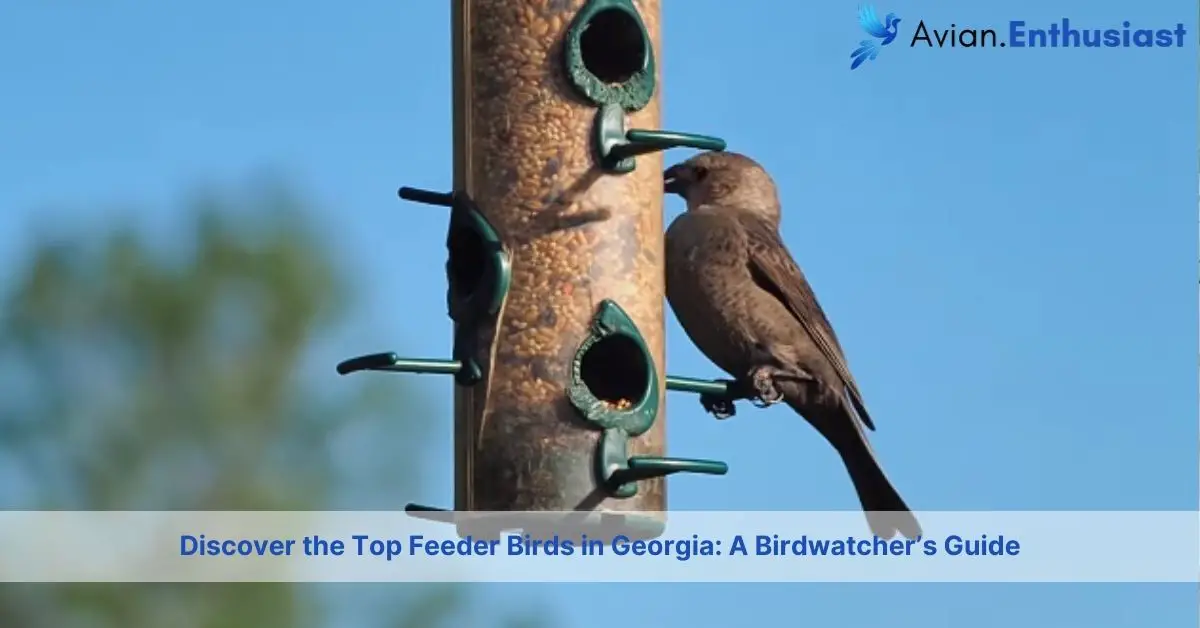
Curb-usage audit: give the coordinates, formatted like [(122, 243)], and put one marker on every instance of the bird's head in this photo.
[(891, 21), (724, 179)]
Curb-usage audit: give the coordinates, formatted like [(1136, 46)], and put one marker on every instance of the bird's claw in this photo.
[(760, 403), (720, 406), (762, 383), (758, 386)]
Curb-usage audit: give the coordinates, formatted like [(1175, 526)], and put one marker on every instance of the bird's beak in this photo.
[(674, 181)]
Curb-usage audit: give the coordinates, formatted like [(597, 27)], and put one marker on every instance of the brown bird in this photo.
[(744, 302)]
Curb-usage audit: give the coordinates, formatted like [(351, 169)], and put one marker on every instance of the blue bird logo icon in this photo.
[(884, 31)]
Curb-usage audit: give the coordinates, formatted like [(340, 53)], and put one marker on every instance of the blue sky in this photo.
[(1004, 239)]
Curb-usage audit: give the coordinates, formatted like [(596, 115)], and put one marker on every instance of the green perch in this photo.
[(390, 361)]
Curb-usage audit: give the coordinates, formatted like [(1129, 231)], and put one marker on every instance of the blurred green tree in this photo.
[(144, 377)]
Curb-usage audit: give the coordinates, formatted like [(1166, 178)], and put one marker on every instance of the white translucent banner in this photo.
[(59, 546)]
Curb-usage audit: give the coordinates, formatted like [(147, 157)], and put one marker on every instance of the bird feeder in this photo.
[(555, 264)]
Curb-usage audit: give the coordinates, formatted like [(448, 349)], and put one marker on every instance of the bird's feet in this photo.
[(762, 382), (721, 406), (762, 385), (759, 386)]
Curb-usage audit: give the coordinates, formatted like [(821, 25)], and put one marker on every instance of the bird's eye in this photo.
[(701, 173)]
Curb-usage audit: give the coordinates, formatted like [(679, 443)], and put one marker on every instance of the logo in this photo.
[(885, 32), (1064, 33)]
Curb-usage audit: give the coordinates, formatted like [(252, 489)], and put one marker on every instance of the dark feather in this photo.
[(774, 270)]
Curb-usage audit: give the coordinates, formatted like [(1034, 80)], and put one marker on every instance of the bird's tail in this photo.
[(886, 512)]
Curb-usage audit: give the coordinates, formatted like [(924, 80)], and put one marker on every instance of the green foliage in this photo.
[(174, 377)]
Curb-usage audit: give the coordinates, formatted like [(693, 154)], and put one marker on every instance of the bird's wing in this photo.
[(870, 22), (775, 271), (865, 47), (867, 50)]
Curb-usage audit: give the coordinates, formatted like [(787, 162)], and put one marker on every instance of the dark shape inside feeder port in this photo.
[(612, 46), (467, 261), (615, 371)]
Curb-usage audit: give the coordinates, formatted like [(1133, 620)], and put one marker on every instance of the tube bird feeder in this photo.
[(555, 261)]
